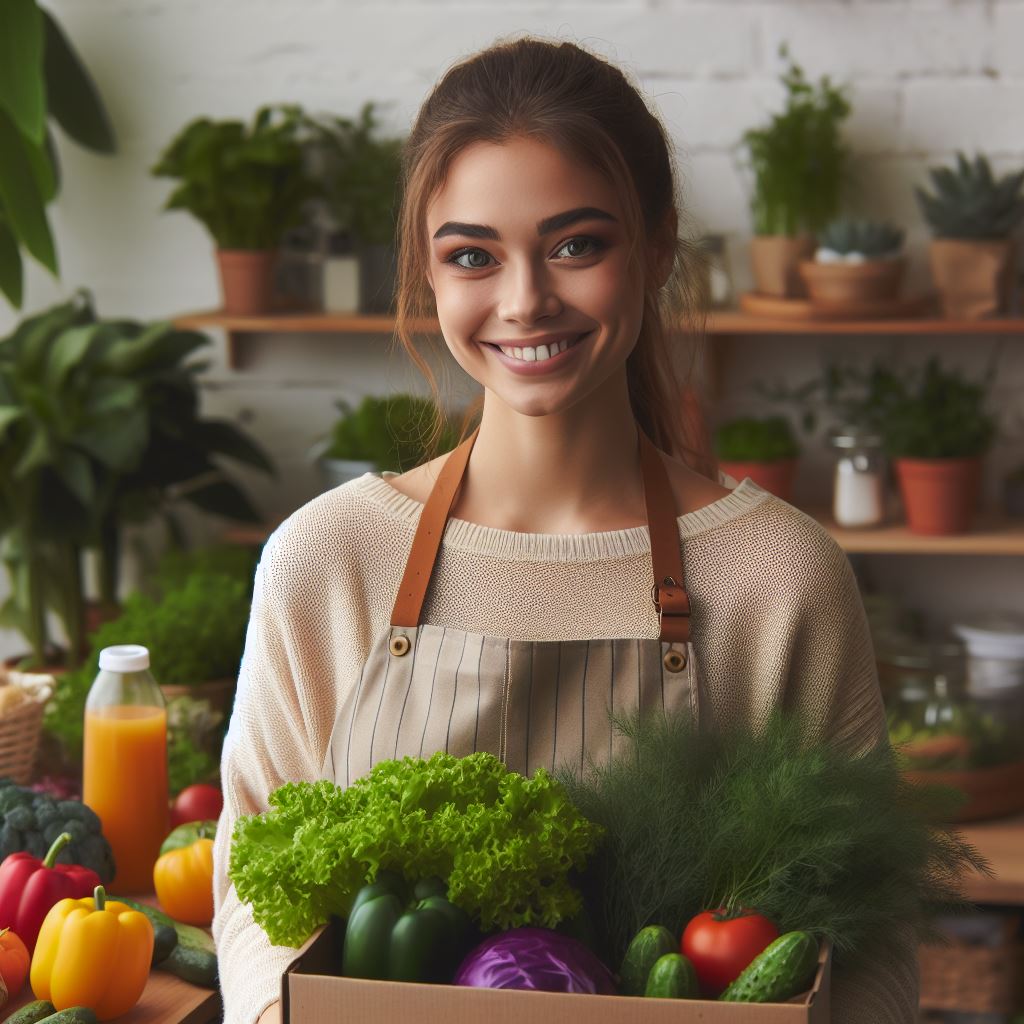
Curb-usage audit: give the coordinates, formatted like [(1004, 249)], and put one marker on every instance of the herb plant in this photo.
[(808, 834), (389, 431), (871, 239), (246, 183), (503, 842), (799, 159), (749, 439)]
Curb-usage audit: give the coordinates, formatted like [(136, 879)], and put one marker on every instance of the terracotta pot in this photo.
[(939, 495), (853, 282), (775, 260), (991, 792), (219, 692), (246, 280), (777, 476), (973, 277)]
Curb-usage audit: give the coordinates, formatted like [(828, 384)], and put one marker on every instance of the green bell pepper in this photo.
[(394, 934)]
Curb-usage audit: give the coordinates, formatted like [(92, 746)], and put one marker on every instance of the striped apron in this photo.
[(428, 688)]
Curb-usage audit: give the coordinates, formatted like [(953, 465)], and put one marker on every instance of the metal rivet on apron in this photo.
[(399, 645), (674, 661)]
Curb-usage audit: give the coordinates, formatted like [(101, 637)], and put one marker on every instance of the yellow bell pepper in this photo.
[(183, 880), (92, 953)]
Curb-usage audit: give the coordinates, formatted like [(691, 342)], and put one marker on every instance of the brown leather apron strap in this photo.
[(427, 542), (668, 592)]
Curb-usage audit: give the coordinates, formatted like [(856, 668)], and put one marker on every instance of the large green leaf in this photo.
[(21, 195), (71, 96), (219, 437), (117, 441), (43, 161), (76, 475), (21, 68), (39, 453), (9, 414), (11, 273), (223, 498), (68, 351)]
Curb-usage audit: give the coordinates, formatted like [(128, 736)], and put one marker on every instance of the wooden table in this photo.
[(166, 999), (1002, 843)]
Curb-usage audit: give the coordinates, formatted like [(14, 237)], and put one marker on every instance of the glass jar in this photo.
[(719, 280), (938, 723), (124, 776), (858, 493)]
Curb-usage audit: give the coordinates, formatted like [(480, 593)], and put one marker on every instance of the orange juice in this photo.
[(125, 783)]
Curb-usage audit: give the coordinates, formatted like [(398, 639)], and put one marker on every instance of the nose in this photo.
[(528, 294)]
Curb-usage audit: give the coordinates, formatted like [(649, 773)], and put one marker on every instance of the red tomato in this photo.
[(196, 803), (719, 947)]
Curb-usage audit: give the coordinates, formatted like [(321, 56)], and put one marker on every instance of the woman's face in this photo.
[(528, 248)]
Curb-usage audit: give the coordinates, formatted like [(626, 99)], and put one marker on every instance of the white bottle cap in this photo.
[(124, 658)]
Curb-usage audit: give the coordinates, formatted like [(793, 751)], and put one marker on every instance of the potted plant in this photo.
[(857, 264), (43, 77), (195, 632), (972, 215), (764, 449), (360, 180), (937, 431), (799, 165), (99, 427), (248, 185), (386, 433)]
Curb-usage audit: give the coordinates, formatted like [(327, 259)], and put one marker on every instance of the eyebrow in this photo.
[(555, 223)]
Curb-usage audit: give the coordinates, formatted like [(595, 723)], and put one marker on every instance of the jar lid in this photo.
[(998, 635), (854, 437), (124, 658)]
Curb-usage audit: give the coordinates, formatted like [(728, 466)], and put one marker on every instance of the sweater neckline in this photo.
[(489, 540)]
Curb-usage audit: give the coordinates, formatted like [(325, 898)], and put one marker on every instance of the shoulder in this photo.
[(319, 537)]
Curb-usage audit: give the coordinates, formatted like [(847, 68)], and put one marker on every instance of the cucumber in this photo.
[(781, 971), (648, 944), (32, 1013), (193, 958), (72, 1015), (672, 977), (165, 938)]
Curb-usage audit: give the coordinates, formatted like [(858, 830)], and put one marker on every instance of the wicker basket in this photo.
[(21, 726), (971, 978)]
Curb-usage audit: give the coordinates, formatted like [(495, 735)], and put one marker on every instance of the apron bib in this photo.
[(532, 704)]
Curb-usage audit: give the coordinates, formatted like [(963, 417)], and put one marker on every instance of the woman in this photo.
[(572, 552)]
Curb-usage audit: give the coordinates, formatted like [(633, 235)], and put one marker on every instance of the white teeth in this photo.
[(538, 354)]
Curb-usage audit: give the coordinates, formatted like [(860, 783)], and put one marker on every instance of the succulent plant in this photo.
[(970, 203), (872, 239), (753, 439)]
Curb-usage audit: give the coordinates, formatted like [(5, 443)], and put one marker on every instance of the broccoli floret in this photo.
[(34, 843), (10, 840), (46, 811), (15, 796), (22, 818), (94, 852), (78, 831), (51, 832)]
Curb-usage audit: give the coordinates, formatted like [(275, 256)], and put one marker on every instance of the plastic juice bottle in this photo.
[(125, 770)]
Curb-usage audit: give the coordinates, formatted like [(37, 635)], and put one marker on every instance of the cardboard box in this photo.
[(311, 993)]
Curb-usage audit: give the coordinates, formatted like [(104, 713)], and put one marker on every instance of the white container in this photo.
[(995, 652), (341, 284)]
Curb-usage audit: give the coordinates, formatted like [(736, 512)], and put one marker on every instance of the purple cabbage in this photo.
[(535, 958)]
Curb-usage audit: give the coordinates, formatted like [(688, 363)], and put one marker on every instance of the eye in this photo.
[(596, 245), (460, 253)]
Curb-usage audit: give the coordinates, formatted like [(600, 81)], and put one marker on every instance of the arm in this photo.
[(834, 648), (267, 744)]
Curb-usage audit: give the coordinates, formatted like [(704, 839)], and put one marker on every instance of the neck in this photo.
[(575, 471)]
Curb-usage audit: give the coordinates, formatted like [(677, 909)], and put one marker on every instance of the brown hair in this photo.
[(563, 95)]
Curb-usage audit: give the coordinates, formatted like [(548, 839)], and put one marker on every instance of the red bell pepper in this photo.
[(29, 887)]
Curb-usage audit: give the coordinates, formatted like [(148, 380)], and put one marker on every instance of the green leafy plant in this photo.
[(99, 427), (798, 159), (749, 439), (195, 633), (362, 174), (192, 743), (246, 184), (970, 202), (800, 829), (503, 842), (388, 431), (871, 239), (41, 76)]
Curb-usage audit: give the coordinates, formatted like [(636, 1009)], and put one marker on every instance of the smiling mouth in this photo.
[(537, 353)]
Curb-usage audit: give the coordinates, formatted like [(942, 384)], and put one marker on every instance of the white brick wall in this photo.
[(927, 77)]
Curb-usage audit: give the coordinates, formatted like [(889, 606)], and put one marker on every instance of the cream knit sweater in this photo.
[(777, 618)]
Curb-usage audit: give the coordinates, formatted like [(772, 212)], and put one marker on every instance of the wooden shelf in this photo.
[(722, 324), (992, 534), (1002, 843)]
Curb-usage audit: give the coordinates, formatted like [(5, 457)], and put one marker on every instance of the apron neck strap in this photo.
[(668, 592)]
